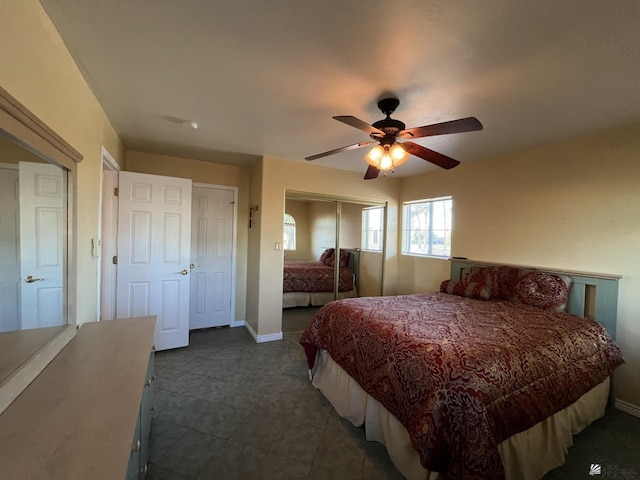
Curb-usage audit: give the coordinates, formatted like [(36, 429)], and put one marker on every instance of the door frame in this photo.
[(234, 245), (107, 215)]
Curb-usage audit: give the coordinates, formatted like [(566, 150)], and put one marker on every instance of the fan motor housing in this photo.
[(389, 126)]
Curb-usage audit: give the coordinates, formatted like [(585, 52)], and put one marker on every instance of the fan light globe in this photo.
[(398, 154), (385, 157), (386, 162), (374, 156)]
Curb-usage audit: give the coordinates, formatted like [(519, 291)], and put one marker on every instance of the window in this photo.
[(289, 241), (426, 227), (372, 220)]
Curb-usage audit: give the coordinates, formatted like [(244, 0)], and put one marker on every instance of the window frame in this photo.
[(284, 232), (408, 231), (364, 243)]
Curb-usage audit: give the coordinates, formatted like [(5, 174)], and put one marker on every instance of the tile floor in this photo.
[(228, 408)]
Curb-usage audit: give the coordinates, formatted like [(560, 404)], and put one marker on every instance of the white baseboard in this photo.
[(629, 408), (263, 338), (237, 323)]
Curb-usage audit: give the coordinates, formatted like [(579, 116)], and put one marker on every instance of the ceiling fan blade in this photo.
[(429, 155), (341, 149), (468, 124), (372, 172), (360, 125)]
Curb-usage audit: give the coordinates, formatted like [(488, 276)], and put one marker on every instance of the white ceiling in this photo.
[(265, 78)]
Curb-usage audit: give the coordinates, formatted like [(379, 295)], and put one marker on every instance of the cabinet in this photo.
[(88, 413), (137, 468)]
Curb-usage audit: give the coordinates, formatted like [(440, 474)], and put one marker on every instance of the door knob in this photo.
[(183, 272), (193, 265), (31, 279)]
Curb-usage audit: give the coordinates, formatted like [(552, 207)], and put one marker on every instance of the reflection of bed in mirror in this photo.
[(313, 282)]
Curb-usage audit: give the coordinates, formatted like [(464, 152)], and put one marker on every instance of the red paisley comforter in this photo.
[(462, 375), (314, 277)]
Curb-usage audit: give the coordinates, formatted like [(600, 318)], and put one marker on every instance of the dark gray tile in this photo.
[(297, 385), (298, 368), (164, 435), (299, 442), (156, 472), (228, 369), (311, 410), (233, 461), (191, 453), (165, 378), (328, 473), (216, 390), (221, 420), (242, 396), (275, 467), (259, 431), (180, 409), (189, 384), (172, 358), (276, 403), (340, 451), (203, 387)]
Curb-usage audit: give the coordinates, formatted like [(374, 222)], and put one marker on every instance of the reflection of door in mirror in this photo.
[(33, 221), (42, 237)]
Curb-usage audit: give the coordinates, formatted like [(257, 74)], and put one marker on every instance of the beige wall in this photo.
[(254, 246), (573, 205), (214, 174), (36, 68), (299, 210), (279, 176), (350, 225), (323, 227)]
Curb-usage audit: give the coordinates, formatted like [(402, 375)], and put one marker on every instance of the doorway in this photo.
[(213, 254), (106, 247)]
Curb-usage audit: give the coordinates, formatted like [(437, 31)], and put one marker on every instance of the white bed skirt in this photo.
[(527, 455), (316, 299)]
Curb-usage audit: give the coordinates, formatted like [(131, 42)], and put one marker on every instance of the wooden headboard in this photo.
[(592, 295)]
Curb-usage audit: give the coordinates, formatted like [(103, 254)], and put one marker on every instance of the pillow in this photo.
[(326, 255), (548, 291), (487, 276), (466, 289), (344, 259), (507, 279)]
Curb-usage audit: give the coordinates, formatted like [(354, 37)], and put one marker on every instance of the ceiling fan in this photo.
[(389, 153)]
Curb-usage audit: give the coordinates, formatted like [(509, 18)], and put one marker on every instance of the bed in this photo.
[(312, 283), (488, 381)]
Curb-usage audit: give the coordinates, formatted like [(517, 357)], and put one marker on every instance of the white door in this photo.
[(212, 221), (42, 240), (154, 236), (9, 249)]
